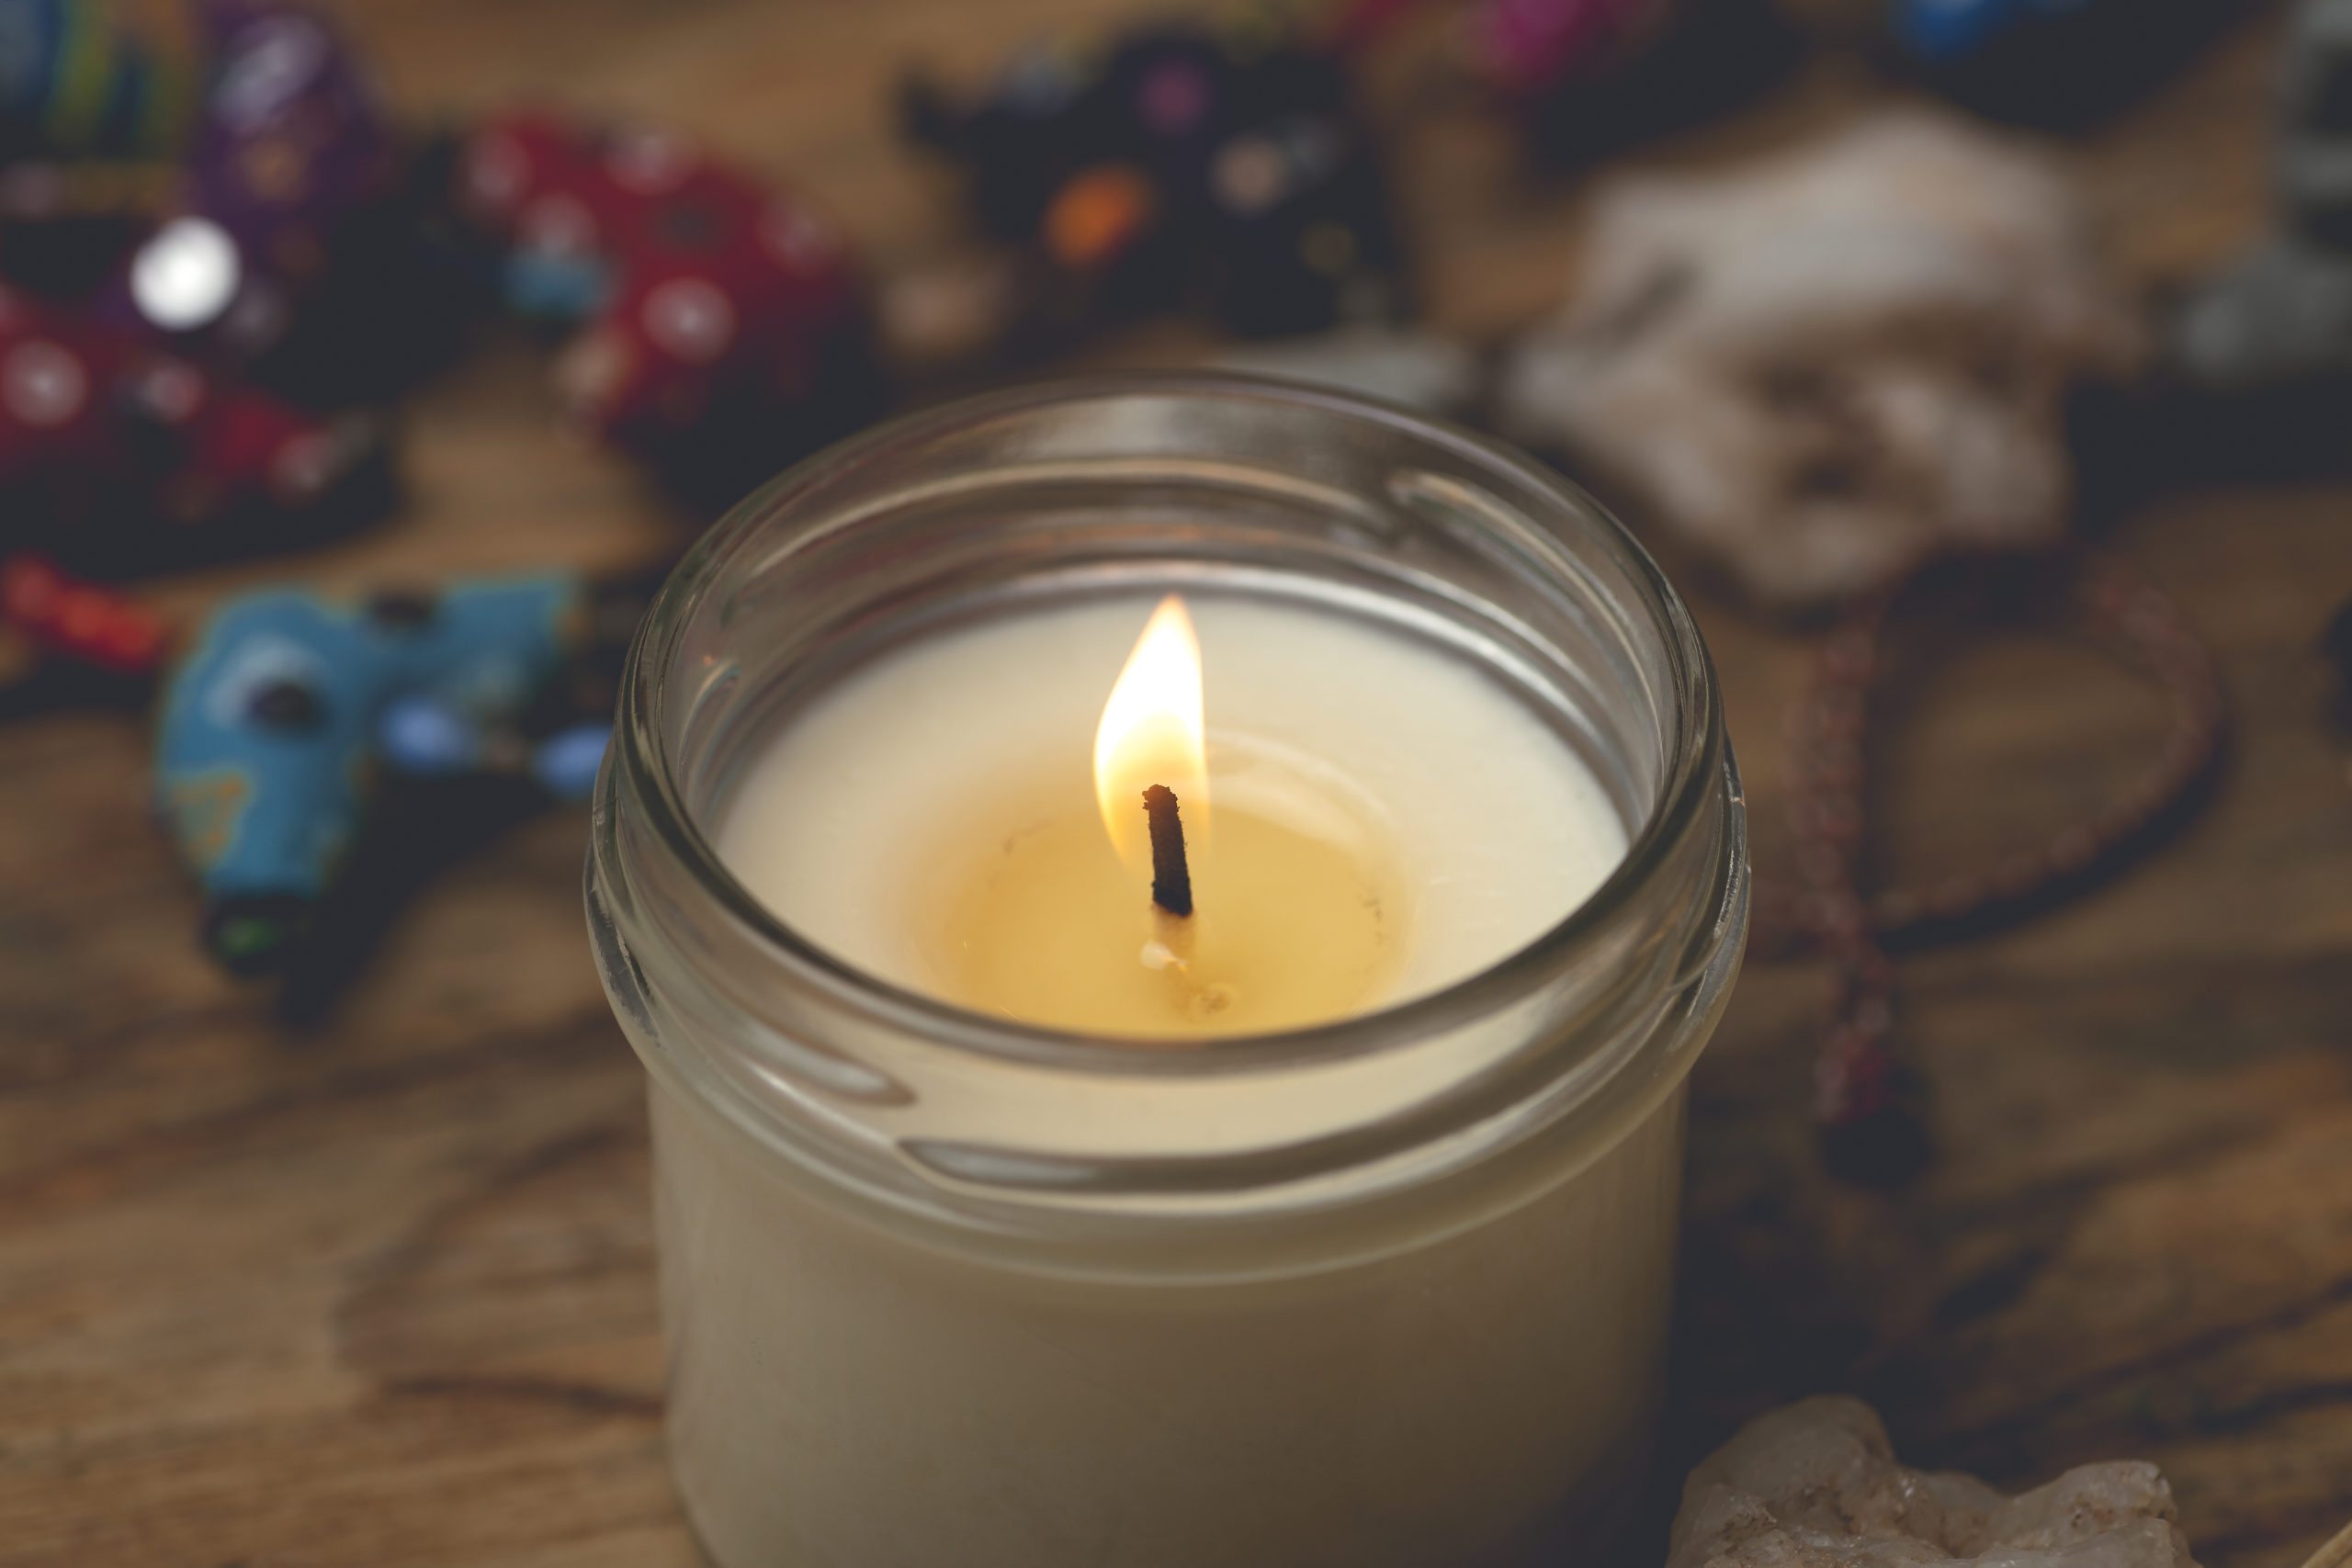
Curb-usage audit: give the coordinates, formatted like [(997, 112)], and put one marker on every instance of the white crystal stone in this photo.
[(1817, 1485)]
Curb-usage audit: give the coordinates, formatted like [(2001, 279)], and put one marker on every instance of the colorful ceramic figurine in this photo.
[(76, 84), (2283, 314), (721, 327), (1529, 46), (272, 726), (63, 616), (1173, 162), (226, 175), (127, 455), (1585, 78), (286, 142), (217, 153)]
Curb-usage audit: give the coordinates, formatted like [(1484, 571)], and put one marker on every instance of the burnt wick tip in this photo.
[(1171, 880)]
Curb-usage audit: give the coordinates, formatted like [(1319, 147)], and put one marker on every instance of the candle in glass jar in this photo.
[(1372, 821), (1009, 1217)]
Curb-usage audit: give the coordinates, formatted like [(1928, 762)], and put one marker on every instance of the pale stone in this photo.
[(1822, 368), (1817, 1485)]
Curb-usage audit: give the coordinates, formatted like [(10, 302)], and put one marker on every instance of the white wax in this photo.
[(845, 1392), (842, 1396), (1501, 828)]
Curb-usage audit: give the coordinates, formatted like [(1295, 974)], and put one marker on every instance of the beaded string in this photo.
[(1864, 1100)]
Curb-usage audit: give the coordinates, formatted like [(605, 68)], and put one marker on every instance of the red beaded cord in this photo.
[(1861, 1092)]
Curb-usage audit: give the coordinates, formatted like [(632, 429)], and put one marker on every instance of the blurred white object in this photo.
[(1420, 370), (1822, 368), (185, 274), (1817, 1485)]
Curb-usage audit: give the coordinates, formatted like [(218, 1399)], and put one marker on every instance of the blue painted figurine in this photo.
[(272, 729)]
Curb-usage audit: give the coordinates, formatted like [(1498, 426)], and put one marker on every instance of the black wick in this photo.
[(1171, 882)]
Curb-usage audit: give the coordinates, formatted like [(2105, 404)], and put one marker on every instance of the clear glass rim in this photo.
[(1695, 756)]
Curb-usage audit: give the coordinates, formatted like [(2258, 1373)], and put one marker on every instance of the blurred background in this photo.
[(1977, 370)]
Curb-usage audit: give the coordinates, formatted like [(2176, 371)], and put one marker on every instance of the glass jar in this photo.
[(941, 1291)]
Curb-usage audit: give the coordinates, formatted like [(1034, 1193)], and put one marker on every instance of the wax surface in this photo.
[(1483, 826), (1293, 925)]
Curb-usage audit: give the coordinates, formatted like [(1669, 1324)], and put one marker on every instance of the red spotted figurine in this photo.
[(722, 328), (131, 456)]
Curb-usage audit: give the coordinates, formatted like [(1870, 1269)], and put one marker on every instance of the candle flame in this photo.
[(1153, 733)]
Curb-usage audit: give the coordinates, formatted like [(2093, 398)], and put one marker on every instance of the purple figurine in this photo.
[(288, 141)]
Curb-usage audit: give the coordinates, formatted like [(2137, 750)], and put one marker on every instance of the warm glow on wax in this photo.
[(1153, 733)]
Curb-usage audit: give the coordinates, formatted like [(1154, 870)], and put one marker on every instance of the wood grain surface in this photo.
[(372, 1286)]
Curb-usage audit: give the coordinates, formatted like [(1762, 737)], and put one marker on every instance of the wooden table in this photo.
[(376, 1289)]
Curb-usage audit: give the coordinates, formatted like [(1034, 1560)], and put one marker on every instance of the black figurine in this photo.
[(1177, 162)]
